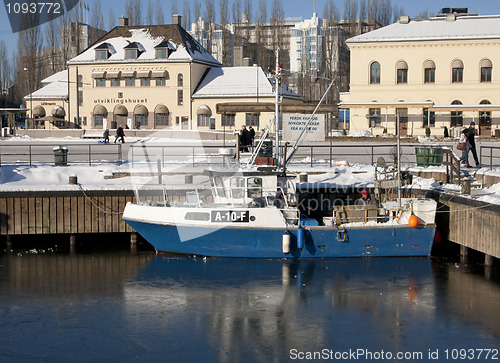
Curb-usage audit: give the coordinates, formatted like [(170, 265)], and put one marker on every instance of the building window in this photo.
[(402, 72), (130, 82), (374, 116), (457, 72), (429, 119), (161, 53), (180, 80), (145, 82), (161, 119), (161, 81), (430, 75), (375, 73), (101, 54), (100, 82), (228, 119), (457, 119), (115, 82), (429, 72), (98, 121), (80, 98), (80, 80), (130, 53), (140, 120), (486, 67), (252, 119), (203, 120), (180, 97)]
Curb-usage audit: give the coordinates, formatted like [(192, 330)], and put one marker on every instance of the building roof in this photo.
[(435, 29), (238, 82), (185, 47), (56, 88)]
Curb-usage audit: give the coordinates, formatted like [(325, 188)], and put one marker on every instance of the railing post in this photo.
[(163, 156), (30, 154), (491, 158), (90, 155), (119, 154), (312, 154), (193, 156)]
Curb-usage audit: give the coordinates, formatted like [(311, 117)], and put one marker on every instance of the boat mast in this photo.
[(276, 112), (398, 130)]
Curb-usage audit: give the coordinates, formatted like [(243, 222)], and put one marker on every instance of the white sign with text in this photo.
[(294, 123)]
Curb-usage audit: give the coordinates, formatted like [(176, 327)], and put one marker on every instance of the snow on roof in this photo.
[(439, 28), (59, 76), (185, 48), (238, 82), (56, 87)]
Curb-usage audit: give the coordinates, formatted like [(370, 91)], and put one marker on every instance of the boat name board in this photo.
[(230, 216)]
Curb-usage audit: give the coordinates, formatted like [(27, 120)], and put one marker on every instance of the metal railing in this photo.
[(489, 156), (44, 154)]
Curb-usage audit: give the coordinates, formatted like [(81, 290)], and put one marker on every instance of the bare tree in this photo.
[(186, 16), (210, 19), (385, 12), (261, 33), (278, 15), (248, 10), (197, 10), (149, 13), (237, 11), (63, 23), (226, 35), (5, 68), (96, 19), (174, 9), (52, 50), (363, 12), (111, 19), (160, 18)]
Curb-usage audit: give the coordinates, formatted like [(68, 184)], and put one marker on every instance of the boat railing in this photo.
[(363, 214)]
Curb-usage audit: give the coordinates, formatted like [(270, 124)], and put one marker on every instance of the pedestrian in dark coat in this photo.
[(472, 143), (252, 134), (244, 139), (120, 135), (105, 135)]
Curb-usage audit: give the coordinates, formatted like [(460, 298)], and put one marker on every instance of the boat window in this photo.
[(237, 187), (197, 216), (254, 186), (219, 187)]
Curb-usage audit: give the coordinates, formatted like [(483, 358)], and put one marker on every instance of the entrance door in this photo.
[(403, 120)]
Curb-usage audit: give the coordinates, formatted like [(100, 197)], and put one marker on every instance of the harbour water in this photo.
[(103, 305)]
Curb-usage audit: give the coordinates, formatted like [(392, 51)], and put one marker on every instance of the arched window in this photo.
[(402, 72), (457, 71), (375, 73), (161, 116), (180, 80), (429, 72), (140, 116), (457, 119), (486, 67)]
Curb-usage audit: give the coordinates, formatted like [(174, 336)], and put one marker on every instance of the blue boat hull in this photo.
[(267, 243)]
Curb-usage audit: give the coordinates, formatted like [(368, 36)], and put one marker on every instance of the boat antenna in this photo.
[(398, 130), (277, 77)]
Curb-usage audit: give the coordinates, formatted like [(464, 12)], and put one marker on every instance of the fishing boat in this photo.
[(257, 212)]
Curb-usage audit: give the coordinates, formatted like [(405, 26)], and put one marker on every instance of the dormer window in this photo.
[(163, 50), (133, 50), (103, 51)]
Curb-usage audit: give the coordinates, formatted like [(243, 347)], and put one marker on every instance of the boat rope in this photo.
[(95, 203)]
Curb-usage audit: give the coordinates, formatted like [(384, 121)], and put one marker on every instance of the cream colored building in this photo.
[(154, 77), (435, 73)]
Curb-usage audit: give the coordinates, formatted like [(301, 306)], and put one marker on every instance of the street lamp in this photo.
[(31, 96)]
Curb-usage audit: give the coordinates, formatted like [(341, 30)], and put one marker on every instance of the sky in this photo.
[(293, 8)]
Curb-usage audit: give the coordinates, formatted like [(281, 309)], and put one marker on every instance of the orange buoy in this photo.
[(413, 221)]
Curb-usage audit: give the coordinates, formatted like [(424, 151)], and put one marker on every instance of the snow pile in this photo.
[(361, 133)]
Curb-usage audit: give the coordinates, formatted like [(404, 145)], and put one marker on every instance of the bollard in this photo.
[(466, 187), (303, 177), (73, 179), (188, 179)]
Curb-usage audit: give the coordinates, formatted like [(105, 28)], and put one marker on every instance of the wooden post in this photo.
[(133, 238), (8, 242), (488, 260), (464, 254), (72, 240)]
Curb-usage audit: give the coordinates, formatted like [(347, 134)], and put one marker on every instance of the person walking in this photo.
[(464, 146), (244, 139), (470, 136), (252, 135), (120, 135), (105, 135)]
